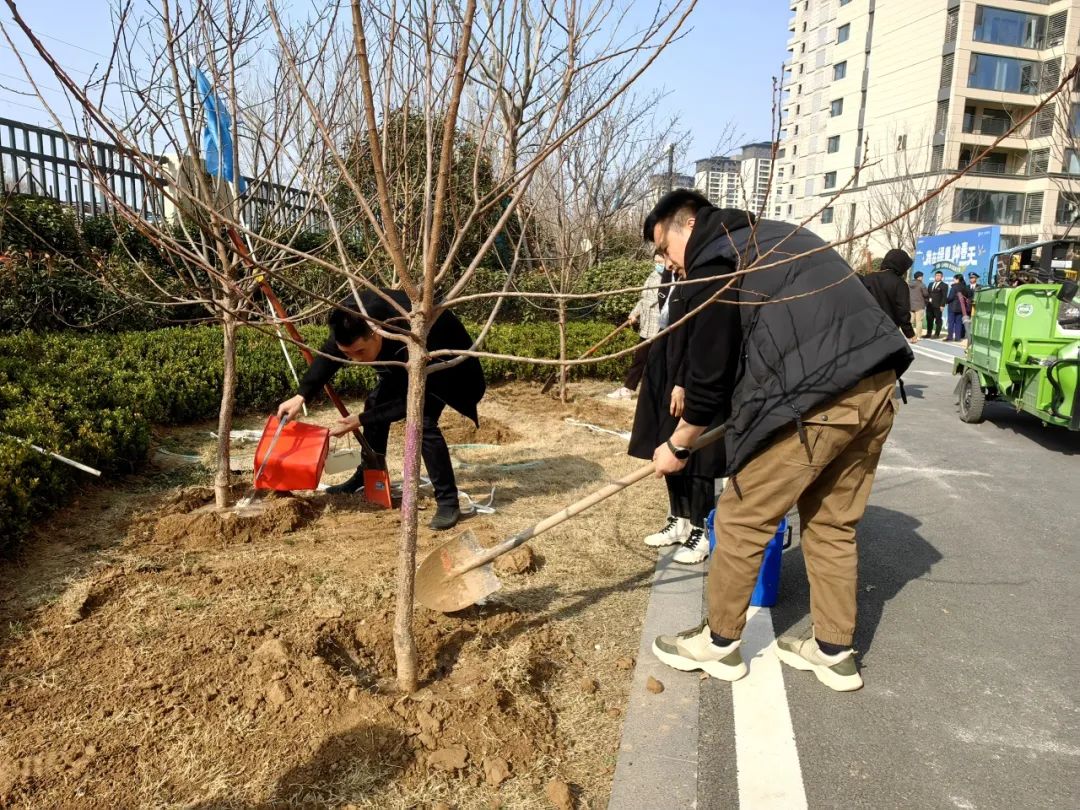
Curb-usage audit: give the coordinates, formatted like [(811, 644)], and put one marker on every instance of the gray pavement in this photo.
[(968, 610)]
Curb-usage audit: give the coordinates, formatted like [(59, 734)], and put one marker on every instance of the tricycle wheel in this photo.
[(972, 398)]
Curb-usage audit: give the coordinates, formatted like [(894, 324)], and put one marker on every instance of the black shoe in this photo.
[(446, 517), (350, 487)]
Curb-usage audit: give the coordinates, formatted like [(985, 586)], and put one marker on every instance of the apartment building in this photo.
[(887, 99), (740, 181)]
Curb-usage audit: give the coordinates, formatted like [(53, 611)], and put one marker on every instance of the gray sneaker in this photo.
[(838, 672), (694, 649)]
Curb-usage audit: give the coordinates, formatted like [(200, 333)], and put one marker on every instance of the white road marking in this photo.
[(931, 472), (767, 759), (928, 373), (933, 353)]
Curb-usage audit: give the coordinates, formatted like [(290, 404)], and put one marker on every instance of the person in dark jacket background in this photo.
[(891, 293), (691, 492), (920, 300), (806, 365), (939, 293), (352, 337), (958, 302)]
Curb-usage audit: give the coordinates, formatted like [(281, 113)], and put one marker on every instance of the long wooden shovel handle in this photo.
[(550, 381), (578, 506), (371, 458)]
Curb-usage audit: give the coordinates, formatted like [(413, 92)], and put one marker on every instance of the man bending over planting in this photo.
[(461, 387)]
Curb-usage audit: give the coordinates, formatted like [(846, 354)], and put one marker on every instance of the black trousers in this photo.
[(691, 496), (637, 366), (933, 320), (433, 450)]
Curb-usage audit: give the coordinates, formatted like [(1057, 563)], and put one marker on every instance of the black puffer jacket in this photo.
[(893, 296), (461, 386), (782, 339)]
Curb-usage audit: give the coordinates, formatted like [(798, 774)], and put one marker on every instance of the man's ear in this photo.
[(690, 223)]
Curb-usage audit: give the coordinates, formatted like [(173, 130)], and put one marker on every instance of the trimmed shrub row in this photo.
[(94, 397)]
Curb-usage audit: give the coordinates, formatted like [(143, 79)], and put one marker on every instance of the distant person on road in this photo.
[(891, 293), (802, 366), (691, 492), (920, 301), (939, 294), (646, 317), (957, 300)]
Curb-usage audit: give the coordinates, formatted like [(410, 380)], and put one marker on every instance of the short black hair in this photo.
[(672, 203), (938, 273), (347, 327), (918, 274), (959, 276)]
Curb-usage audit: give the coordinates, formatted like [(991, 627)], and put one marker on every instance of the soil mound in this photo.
[(210, 528), (459, 430)]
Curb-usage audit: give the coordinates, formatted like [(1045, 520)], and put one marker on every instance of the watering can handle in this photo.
[(580, 506)]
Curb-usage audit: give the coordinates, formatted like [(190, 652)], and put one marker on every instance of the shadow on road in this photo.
[(892, 553), (1001, 417)]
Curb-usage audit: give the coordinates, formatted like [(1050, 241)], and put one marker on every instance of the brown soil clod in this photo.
[(558, 793), (496, 770), (588, 685), (625, 663), (448, 759), (654, 686), (519, 561)]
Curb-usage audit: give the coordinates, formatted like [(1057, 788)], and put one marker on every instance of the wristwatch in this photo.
[(681, 453)]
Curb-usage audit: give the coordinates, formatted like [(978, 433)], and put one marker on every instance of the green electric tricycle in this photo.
[(1024, 344)]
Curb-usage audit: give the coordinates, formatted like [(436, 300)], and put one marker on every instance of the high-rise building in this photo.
[(913, 91), (741, 181)]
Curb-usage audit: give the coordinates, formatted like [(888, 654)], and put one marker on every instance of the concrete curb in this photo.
[(658, 753)]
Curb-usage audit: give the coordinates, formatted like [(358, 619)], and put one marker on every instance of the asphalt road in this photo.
[(969, 606)]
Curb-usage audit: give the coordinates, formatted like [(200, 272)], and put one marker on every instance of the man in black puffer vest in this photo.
[(794, 351)]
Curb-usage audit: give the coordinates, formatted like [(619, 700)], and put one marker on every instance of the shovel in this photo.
[(459, 573), (376, 476)]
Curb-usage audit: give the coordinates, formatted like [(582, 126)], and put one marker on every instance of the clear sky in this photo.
[(719, 73)]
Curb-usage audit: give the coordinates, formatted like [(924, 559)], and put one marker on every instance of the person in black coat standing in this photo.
[(691, 492), (352, 337), (888, 288), (939, 293), (958, 301)]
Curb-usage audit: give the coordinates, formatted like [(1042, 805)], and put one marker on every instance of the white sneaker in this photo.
[(674, 532), (695, 548), (621, 393), (694, 649)]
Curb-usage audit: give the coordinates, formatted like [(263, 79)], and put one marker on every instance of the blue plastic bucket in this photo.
[(767, 588)]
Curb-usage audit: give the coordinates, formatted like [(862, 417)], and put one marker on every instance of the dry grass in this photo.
[(162, 682)]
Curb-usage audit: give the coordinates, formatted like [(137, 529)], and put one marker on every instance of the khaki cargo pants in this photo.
[(831, 489)]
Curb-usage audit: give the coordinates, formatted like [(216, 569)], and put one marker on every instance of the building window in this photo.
[(836, 107), (1015, 28), (830, 179), (844, 2), (839, 71), (843, 33), (1074, 121), (1068, 208), (1003, 73), (833, 144), (988, 207), (826, 215), (1071, 163)]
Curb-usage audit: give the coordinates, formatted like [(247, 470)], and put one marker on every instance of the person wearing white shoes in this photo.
[(691, 493), (646, 316)]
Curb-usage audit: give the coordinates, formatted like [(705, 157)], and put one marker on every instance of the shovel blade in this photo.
[(439, 588), (377, 488)]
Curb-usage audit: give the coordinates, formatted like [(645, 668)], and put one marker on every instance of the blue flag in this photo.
[(217, 137)]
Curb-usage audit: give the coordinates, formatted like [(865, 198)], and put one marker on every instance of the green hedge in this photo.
[(94, 397)]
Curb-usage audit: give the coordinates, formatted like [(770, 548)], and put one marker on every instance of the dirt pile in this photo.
[(190, 521)]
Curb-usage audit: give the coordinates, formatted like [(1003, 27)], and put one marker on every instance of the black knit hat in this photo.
[(896, 260)]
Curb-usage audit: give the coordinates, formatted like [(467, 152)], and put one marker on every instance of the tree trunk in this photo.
[(564, 369), (222, 478), (404, 643)]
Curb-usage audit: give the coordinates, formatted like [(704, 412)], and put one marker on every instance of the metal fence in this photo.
[(97, 178), (49, 163)]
